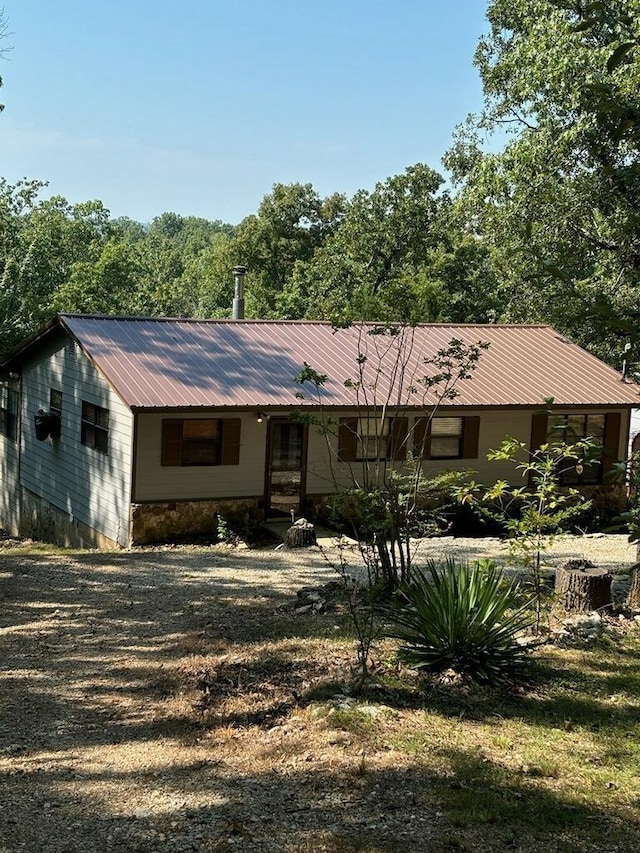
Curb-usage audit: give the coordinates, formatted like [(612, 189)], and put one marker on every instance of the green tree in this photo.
[(291, 223), (559, 205), (106, 286), (367, 267), (40, 241)]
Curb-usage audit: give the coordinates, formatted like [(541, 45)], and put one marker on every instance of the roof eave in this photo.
[(17, 356)]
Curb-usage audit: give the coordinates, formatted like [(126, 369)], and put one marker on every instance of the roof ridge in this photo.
[(299, 321)]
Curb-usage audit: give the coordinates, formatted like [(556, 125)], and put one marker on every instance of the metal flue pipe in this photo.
[(238, 299)]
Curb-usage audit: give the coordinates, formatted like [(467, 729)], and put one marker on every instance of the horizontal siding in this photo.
[(9, 470), (155, 482), (89, 486), (494, 427)]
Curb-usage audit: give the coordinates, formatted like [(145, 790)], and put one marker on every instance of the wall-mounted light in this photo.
[(260, 417)]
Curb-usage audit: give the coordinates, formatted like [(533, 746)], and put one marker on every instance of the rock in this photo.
[(142, 814), (306, 608), (315, 597)]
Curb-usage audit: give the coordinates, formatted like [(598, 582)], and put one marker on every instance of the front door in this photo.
[(286, 468)]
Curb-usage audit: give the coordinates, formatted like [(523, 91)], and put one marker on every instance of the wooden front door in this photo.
[(286, 468)]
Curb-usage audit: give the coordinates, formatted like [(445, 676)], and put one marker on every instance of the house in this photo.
[(124, 430)]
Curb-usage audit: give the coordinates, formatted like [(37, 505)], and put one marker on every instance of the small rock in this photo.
[(142, 814), (314, 596), (306, 608)]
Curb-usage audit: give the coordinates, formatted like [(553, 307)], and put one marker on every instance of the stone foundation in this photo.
[(161, 522)]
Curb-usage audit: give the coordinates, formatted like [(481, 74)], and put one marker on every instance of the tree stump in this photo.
[(582, 587), (302, 534), (633, 598)]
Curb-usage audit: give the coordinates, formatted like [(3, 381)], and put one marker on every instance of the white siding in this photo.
[(9, 470), (91, 487), (155, 482)]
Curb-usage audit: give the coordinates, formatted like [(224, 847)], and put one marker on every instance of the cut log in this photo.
[(300, 535), (633, 598), (582, 587)]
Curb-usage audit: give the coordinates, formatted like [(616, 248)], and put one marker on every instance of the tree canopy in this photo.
[(559, 204), (541, 220)]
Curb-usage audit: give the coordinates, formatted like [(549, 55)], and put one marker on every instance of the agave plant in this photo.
[(464, 618)]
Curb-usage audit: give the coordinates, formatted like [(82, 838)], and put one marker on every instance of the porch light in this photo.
[(260, 416)]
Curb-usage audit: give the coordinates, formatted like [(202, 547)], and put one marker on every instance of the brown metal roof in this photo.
[(161, 363)]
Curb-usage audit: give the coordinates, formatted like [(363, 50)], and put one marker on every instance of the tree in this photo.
[(4, 32), (388, 500), (291, 223), (367, 267), (559, 205), (40, 241), (536, 512), (106, 286)]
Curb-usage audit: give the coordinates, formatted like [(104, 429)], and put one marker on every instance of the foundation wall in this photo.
[(161, 522), (41, 520)]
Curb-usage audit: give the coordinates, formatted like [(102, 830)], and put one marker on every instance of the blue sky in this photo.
[(201, 107)]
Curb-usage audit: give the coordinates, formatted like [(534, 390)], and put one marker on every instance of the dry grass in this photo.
[(170, 701)]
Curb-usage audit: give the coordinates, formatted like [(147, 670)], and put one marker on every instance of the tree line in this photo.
[(540, 219)]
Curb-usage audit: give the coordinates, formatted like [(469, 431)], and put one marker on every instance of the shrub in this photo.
[(463, 618)]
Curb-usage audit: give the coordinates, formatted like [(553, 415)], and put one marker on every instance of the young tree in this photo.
[(387, 499), (535, 513)]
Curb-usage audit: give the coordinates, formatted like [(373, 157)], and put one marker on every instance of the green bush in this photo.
[(463, 618)]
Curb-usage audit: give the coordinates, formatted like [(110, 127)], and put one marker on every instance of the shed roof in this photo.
[(179, 363)]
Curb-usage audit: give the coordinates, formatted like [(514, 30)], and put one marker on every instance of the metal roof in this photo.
[(176, 363)]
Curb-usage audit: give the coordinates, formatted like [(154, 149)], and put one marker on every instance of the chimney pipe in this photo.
[(238, 299)]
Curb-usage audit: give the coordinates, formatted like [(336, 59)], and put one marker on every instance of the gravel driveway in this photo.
[(96, 751)]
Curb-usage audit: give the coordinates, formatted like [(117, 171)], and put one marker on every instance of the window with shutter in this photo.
[(603, 429), (446, 438), (201, 441)]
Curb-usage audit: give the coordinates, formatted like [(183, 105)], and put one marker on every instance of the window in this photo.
[(373, 438), (446, 438), (201, 441), (94, 430), (55, 401), (368, 439), (572, 428), (8, 412)]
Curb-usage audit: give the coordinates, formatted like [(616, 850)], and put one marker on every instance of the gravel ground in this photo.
[(98, 753)]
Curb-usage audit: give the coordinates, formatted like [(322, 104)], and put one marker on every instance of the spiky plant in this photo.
[(464, 618)]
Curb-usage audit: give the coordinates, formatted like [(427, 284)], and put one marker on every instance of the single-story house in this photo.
[(123, 430)]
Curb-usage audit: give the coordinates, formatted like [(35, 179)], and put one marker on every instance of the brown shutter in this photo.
[(539, 430), (398, 439), (420, 438), (610, 441), (348, 440), (230, 441), (172, 442), (470, 436)]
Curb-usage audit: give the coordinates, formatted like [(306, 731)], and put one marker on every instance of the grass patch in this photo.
[(558, 760)]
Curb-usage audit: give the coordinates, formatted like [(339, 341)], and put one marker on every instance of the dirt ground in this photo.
[(109, 736)]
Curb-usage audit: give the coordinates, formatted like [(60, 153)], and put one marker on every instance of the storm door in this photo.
[(286, 468)]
